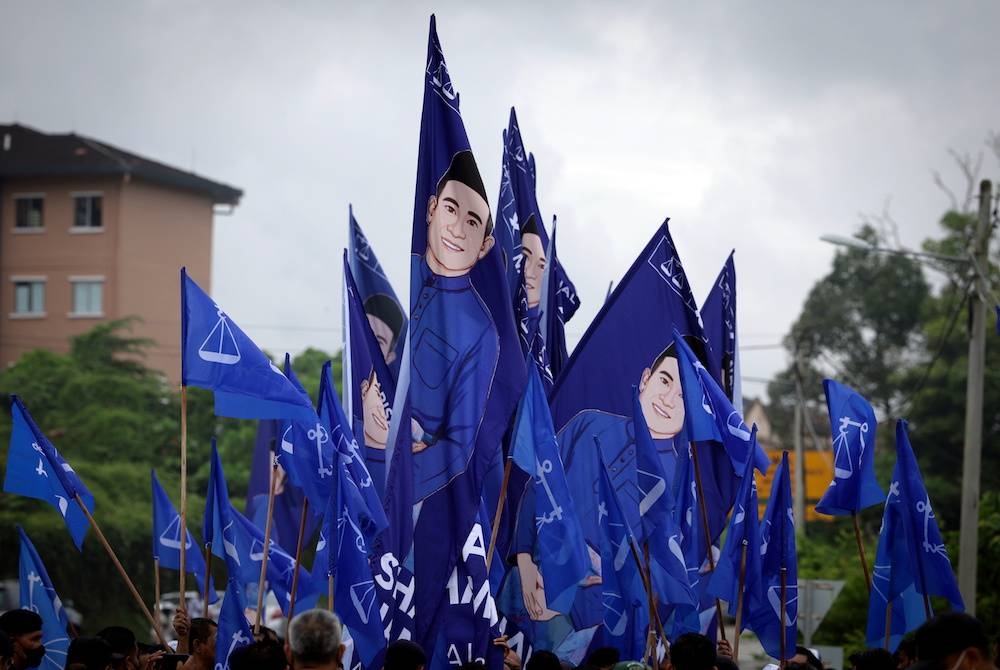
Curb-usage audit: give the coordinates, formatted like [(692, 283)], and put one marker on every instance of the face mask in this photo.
[(961, 657), (33, 657)]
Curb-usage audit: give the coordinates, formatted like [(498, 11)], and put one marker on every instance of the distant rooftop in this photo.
[(26, 152)]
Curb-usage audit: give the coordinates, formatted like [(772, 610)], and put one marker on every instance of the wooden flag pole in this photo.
[(121, 570), (183, 512), (298, 560), (739, 602), (156, 594), (708, 532), (861, 552), (267, 546), (654, 614), (782, 614), (499, 513), (208, 572), (888, 624), (329, 592)]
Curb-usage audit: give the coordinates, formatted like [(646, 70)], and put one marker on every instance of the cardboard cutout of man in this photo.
[(455, 342), (533, 260), (374, 429), (663, 409)]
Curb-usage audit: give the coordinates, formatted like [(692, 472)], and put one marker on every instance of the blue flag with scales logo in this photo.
[(911, 563), (36, 470), (234, 629), (167, 539), (217, 355), (39, 595), (853, 423), (773, 617), (718, 314)]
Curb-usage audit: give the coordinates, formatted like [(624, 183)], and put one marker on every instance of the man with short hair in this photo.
[(692, 651), (124, 647), (265, 654), (314, 641), (201, 644), (24, 628), (954, 641), (404, 655)]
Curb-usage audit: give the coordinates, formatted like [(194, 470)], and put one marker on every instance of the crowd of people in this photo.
[(315, 641)]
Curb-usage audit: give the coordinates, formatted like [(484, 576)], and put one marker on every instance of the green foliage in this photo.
[(114, 420)]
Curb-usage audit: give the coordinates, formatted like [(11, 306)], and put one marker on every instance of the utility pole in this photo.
[(972, 452)]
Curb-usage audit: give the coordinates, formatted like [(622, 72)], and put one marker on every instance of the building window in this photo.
[(28, 212), (29, 297), (88, 297), (87, 212)]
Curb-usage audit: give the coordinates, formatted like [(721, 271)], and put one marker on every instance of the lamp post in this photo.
[(976, 258)]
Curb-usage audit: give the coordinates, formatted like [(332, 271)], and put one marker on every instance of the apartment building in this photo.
[(91, 233)]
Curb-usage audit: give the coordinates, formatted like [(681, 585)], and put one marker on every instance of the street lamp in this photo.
[(976, 258)]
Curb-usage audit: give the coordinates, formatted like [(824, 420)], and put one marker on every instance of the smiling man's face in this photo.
[(661, 399), (533, 257), (456, 230), (376, 423)]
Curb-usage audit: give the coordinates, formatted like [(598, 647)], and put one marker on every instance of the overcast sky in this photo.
[(753, 125)]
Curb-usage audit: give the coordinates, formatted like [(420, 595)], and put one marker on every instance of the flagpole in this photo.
[(208, 571), (183, 510), (739, 601), (654, 614), (156, 590), (267, 545), (121, 570), (861, 551), (646, 585), (499, 513), (298, 559), (782, 614), (329, 591), (708, 531)]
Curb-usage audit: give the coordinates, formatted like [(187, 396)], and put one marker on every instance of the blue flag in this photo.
[(39, 595), (167, 539), (687, 514), (559, 304), (332, 417), (551, 558), (911, 563), (743, 534), (234, 629), (36, 470), (718, 314), (707, 403), (357, 599), (288, 499), (384, 311), (852, 421), (626, 606), (217, 355), (466, 370), (773, 618), (217, 524), (371, 388), (658, 533)]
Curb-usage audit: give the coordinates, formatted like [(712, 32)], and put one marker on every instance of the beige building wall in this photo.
[(56, 253), (149, 232), (165, 229)]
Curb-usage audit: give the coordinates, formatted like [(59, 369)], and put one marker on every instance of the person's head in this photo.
[(872, 659), (954, 641), (261, 655), (533, 259), (375, 420), (24, 628), (604, 657), (660, 395), (692, 651), (88, 653), (123, 645), (726, 663), (473, 665), (314, 640), (6, 650), (404, 655), (905, 654), (201, 639), (806, 656), (385, 316), (543, 660), (459, 223)]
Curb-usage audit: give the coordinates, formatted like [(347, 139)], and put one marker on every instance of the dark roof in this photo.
[(26, 152)]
